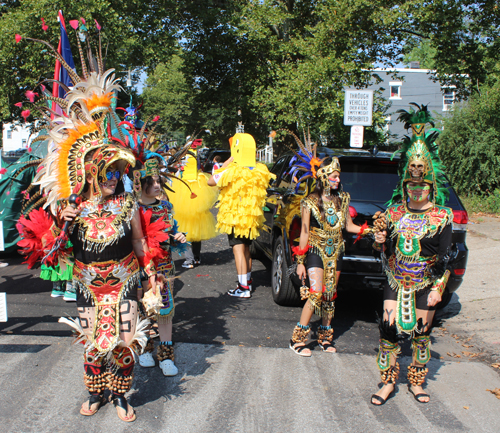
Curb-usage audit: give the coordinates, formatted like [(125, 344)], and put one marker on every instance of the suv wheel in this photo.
[(284, 292)]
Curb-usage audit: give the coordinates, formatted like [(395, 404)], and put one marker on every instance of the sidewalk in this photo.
[(473, 315)]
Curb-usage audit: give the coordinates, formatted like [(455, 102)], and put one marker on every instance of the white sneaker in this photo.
[(240, 292), (146, 360), (168, 367), (188, 265)]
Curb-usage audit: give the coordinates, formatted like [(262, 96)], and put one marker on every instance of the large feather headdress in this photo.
[(80, 125), (420, 160)]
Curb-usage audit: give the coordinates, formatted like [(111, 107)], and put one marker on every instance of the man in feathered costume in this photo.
[(243, 184), (415, 234), (81, 182)]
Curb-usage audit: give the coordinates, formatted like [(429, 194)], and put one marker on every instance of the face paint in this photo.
[(418, 192), (334, 181)]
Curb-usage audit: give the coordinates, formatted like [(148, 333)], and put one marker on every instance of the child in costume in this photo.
[(415, 234), (162, 238), (243, 185), (193, 214)]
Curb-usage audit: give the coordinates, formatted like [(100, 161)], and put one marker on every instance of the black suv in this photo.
[(209, 162), (370, 179)]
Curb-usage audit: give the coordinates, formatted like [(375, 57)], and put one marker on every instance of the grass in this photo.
[(485, 204)]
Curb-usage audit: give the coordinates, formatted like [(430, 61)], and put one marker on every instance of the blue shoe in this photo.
[(70, 293), (56, 293)]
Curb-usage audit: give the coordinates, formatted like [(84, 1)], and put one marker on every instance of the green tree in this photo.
[(169, 94), (423, 52), (135, 35), (470, 143)]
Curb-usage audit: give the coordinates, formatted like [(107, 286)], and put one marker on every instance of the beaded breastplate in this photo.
[(407, 270), (327, 240), (101, 225)]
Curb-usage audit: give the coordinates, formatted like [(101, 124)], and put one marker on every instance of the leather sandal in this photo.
[(381, 400), (419, 395), (325, 345), (299, 349), (93, 399), (121, 402)]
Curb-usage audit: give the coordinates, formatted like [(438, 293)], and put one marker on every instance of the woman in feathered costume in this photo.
[(415, 235), (193, 214), (325, 212), (243, 185), (85, 163)]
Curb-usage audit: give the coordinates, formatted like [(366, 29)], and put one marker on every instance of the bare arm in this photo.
[(211, 181), (141, 247), (304, 238), (350, 226)]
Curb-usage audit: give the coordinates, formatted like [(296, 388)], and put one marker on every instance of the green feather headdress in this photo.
[(419, 156)]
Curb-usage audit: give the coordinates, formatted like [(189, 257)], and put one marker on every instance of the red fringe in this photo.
[(296, 251), (361, 230)]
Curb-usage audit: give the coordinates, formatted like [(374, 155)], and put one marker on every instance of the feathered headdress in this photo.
[(420, 160), (80, 124), (305, 163)]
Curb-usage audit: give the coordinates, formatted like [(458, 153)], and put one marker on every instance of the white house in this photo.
[(16, 136)]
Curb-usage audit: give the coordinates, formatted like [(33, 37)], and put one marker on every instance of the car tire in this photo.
[(445, 300), (284, 292)]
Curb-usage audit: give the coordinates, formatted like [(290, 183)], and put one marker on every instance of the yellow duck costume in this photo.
[(243, 185)]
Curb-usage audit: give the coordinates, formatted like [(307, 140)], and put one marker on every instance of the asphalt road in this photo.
[(236, 372)]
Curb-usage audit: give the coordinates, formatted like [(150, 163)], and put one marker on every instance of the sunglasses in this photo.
[(111, 174)]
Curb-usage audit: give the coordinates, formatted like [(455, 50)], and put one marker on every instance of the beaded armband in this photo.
[(440, 283), (300, 254), (378, 247), (147, 264)]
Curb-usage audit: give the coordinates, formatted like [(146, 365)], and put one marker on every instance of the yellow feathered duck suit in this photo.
[(243, 187), (193, 214)]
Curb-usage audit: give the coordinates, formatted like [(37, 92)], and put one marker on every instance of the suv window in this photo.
[(369, 180), (278, 167)]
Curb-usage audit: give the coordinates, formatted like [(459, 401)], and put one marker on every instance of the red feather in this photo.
[(155, 233), (35, 234)]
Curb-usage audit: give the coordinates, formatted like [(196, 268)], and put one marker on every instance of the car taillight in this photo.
[(460, 217), (295, 230), (353, 212), (459, 271)]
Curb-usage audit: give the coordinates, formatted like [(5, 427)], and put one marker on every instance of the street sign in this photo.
[(357, 136), (3, 307), (358, 107)]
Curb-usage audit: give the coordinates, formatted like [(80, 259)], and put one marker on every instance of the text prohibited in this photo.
[(358, 106)]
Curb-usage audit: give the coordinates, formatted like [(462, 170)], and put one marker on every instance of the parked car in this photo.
[(224, 156), (370, 179)]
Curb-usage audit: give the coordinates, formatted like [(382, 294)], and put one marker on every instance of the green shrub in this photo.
[(485, 203), (470, 144)]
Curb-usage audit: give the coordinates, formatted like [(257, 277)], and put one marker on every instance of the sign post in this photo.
[(358, 108)]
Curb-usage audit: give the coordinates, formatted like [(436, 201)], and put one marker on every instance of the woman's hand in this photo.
[(153, 284), (180, 237), (301, 272), (433, 299), (380, 237), (69, 213)]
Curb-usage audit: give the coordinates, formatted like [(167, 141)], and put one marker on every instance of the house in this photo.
[(412, 85), (16, 136)]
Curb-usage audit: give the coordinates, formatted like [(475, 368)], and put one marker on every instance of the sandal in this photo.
[(381, 400), (299, 349), (93, 399), (419, 395), (325, 345), (121, 402)]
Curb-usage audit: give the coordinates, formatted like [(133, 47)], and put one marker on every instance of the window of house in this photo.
[(9, 134), (395, 89), (449, 95)]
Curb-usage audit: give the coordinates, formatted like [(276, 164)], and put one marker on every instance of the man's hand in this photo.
[(180, 237)]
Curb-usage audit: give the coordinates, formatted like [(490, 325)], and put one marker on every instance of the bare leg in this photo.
[(316, 281), (389, 316), (240, 259)]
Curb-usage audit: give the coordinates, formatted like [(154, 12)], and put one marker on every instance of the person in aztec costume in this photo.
[(163, 238), (243, 187), (193, 215), (415, 234), (325, 213), (80, 180)]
